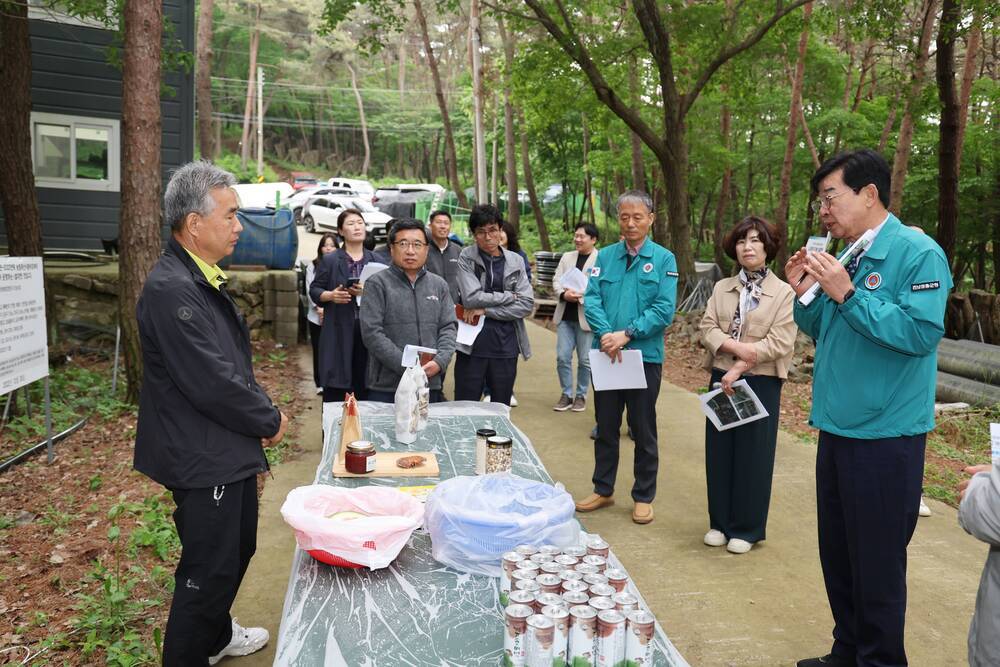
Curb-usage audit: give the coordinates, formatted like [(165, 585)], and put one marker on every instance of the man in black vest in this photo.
[(203, 419)]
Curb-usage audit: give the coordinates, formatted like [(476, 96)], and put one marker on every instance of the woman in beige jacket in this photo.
[(749, 333)]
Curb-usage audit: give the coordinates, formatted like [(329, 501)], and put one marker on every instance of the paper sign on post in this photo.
[(414, 355), (625, 374), (24, 351)]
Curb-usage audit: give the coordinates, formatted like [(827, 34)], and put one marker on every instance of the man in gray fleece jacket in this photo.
[(406, 305), (979, 514)]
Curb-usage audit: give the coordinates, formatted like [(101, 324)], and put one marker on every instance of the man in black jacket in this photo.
[(203, 419)]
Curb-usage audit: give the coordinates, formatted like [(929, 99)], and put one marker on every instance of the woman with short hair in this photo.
[(749, 333), (337, 286)]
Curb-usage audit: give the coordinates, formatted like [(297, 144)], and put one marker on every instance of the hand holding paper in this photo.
[(627, 373)]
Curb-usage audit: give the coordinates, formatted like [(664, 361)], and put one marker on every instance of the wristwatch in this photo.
[(847, 296), (630, 332)]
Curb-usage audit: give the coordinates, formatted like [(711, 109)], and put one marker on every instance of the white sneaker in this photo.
[(924, 509), (319, 390), (244, 642), (513, 401), (486, 399), (738, 546), (715, 538)]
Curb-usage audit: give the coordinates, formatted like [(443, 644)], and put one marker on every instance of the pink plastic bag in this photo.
[(373, 541)]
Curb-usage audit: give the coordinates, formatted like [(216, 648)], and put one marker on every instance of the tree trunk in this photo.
[(890, 121), (475, 41), (948, 129), (509, 141), (364, 123), (638, 164), (675, 185), (727, 179), (785, 191), (251, 90), (18, 196), (901, 160), (968, 74), (529, 185), (203, 84), (139, 231), (587, 204), (401, 81)]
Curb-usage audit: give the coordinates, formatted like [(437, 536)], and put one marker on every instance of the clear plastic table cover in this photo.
[(416, 611)]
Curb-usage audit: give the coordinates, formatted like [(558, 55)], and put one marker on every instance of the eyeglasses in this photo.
[(408, 245), (483, 231), (825, 200)]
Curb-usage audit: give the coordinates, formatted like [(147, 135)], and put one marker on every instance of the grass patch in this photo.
[(959, 440)]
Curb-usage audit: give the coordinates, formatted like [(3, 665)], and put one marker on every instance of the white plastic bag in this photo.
[(474, 520), (412, 403), (373, 541)]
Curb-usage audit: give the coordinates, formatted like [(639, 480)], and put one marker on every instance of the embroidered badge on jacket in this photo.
[(873, 281)]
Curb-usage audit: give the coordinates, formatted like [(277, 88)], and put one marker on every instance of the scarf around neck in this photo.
[(749, 298)]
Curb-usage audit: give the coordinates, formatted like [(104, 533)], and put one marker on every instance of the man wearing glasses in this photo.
[(406, 305), (630, 301), (877, 326), (494, 285)]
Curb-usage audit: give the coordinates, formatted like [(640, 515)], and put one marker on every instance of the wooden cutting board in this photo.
[(385, 466)]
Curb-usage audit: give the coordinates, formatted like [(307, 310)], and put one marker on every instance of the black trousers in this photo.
[(471, 372), (739, 464), (641, 404), (867, 498), (218, 531), (314, 330), (436, 396)]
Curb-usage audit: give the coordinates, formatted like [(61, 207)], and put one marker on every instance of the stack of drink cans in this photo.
[(566, 606)]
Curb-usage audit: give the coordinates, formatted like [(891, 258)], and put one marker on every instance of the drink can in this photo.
[(526, 598), (598, 547), (639, 629), (549, 549), (551, 600), (515, 636), (526, 549), (600, 561), (610, 638), (529, 585), (586, 568), (560, 640), (521, 575), (582, 635), (573, 598), (601, 591), (567, 561), (601, 604), (542, 558), (576, 551), (550, 583), (617, 578), (625, 602), (571, 585), (541, 634), (570, 575), (528, 566), (591, 579), (508, 563), (551, 568)]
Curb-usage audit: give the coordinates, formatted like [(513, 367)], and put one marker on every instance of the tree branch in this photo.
[(688, 99), (578, 53), (658, 40), (509, 12)]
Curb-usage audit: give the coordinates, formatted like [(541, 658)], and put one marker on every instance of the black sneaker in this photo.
[(593, 434)]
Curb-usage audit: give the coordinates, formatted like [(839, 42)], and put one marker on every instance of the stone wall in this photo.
[(88, 297)]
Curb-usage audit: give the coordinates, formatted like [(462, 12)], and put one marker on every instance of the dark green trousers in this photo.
[(739, 464)]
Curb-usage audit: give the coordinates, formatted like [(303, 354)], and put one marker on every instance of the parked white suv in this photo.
[(362, 187), (321, 212)]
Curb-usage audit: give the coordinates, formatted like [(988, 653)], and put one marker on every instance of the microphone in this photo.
[(856, 249)]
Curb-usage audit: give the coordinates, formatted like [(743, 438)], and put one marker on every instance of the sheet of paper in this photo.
[(995, 443), (818, 243), (625, 374), (467, 333), (371, 268), (726, 412), (574, 280), (411, 355)]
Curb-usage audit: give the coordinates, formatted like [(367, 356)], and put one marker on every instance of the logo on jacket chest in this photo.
[(432, 297), (647, 267), (873, 281), (184, 313)]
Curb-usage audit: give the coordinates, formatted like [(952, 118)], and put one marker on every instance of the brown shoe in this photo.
[(579, 404), (564, 404), (594, 502), (643, 513)]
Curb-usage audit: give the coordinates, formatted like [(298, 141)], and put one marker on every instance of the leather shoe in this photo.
[(828, 660), (594, 502), (642, 513)]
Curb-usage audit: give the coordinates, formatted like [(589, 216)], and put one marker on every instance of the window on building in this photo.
[(75, 152), (61, 11)]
